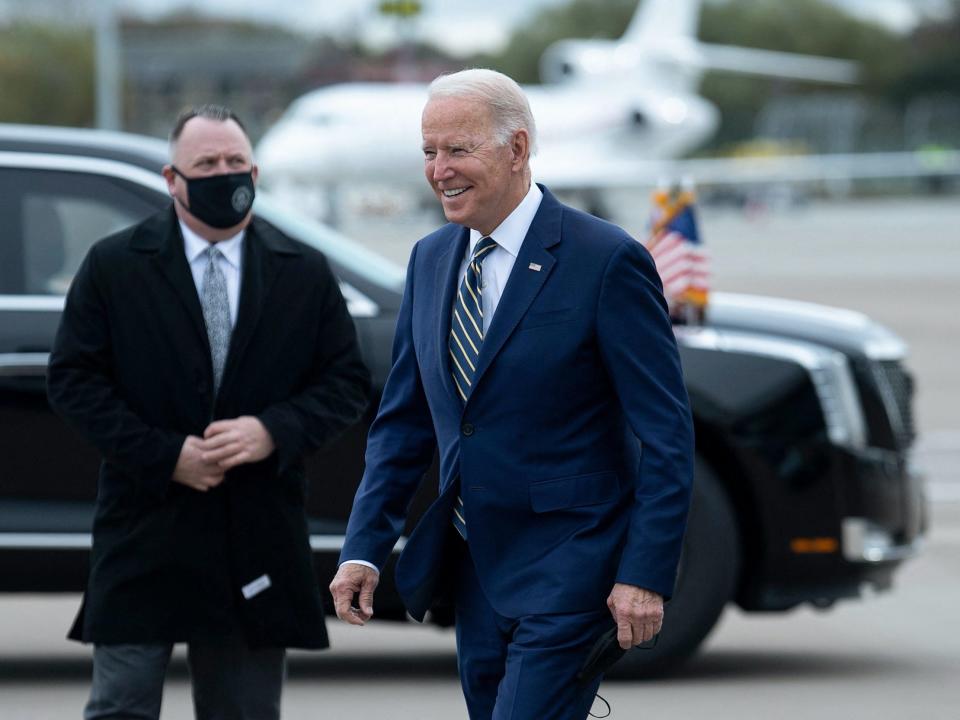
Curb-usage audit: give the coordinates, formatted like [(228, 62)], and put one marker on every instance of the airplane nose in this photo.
[(294, 153)]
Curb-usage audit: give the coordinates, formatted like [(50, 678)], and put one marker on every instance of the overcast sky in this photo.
[(460, 27), (465, 26)]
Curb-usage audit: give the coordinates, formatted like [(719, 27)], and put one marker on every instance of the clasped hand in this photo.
[(224, 445)]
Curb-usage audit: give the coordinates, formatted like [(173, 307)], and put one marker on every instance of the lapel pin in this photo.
[(534, 266)]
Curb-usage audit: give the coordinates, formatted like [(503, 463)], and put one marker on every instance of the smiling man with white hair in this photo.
[(533, 349)]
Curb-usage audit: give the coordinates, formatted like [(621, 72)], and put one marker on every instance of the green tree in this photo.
[(46, 74), (934, 52), (810, 27)]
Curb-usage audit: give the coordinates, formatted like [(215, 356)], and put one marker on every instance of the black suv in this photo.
[(803, 416)]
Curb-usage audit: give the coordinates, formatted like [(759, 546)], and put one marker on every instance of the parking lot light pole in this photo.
[(107, 45)]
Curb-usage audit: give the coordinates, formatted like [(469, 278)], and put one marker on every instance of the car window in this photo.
[(351, 254), (57, 216)]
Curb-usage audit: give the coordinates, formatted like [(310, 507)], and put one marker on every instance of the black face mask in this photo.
[(220, 201)]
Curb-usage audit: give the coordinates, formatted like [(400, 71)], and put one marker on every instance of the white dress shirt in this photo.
[(230, 263), (499, 262), (496, 266)]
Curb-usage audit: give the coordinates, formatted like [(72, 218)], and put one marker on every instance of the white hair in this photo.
[(508, 104)]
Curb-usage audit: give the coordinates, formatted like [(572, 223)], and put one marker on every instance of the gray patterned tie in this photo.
[(466, 337), (216, 313)]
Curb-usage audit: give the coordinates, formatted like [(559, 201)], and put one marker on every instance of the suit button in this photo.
[(467, 429)]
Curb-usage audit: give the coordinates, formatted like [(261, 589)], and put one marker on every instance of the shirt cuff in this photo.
[(361, 562)]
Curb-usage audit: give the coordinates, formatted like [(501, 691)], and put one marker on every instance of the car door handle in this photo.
[(23, 364)]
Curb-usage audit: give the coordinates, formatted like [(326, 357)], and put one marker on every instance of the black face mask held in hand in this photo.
[(220, 201)]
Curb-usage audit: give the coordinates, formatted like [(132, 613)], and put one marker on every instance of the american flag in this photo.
[(676, 249)]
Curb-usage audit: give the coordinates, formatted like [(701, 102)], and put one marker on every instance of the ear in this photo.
[(520, 148), (171, 177), (255, 173)]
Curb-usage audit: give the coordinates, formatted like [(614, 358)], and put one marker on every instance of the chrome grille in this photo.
[(895, 386)]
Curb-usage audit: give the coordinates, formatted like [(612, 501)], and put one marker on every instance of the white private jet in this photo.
[(611, 113)]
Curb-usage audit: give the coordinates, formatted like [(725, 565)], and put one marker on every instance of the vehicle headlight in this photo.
[(839, 399)]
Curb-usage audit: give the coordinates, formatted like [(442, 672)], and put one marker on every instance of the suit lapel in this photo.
[(261, 250), (524, 283), (447, 282), (171, 261)]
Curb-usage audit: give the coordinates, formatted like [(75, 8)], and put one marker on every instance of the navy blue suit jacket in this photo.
[(579, 362)]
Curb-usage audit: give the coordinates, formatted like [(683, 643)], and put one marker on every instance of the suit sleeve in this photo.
[(337, 390), (640, 353), (400, 448), (81, 388)]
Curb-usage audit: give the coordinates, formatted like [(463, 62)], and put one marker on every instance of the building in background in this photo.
[(185, 59), (254, 69)]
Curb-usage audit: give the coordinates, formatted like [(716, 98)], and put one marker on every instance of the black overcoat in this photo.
[(131, 369)]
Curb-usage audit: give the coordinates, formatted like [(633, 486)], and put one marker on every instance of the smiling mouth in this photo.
[(454, 192)]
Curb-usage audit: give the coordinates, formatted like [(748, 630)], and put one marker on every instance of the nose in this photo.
[(441, 169)]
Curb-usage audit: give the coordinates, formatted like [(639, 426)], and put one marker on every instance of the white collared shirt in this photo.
[(499, 262), (230, 262)]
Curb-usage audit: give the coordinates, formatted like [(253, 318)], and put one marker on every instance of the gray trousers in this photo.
[(230, 681)]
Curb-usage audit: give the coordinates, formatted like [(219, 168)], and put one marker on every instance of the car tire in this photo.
[(707, 579)]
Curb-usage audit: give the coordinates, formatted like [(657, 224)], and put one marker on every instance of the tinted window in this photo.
[(52, 218), (340, 249)]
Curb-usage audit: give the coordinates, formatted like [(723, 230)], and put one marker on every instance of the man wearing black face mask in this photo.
[(203, 353)]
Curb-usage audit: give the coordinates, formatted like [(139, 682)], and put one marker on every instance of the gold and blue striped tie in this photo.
[(466, 337)]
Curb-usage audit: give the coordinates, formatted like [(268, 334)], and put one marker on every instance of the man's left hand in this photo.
[(234, 442), (637, 612)]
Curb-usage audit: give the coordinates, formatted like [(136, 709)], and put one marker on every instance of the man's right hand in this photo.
[(192, 471), (353, 578)]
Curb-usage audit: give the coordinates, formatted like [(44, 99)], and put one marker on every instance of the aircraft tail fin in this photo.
[(664, 19)]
